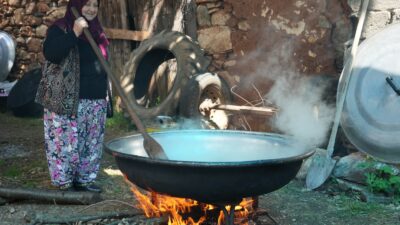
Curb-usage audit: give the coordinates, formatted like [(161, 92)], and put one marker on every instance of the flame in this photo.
[(245, 207), (155, 205)]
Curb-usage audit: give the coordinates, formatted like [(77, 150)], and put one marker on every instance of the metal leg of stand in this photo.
[(229, 216)]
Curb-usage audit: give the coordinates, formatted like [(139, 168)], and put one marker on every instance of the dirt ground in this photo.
[(22, 164)]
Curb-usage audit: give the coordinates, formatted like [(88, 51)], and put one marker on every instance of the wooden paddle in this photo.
[(152, 147)]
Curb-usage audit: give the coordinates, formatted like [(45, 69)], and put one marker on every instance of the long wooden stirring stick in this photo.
[(152, 147)]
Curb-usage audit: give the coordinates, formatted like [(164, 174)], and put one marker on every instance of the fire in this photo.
[(155, 205)]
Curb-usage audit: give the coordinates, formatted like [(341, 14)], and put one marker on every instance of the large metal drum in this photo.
[(7, 54), (371, 118), (212, 166)]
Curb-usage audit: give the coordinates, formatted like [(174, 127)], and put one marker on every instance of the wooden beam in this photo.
[(126, 34), (266, 111)]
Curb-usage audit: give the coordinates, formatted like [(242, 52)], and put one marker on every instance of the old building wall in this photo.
[(250, 42), (308, 36), (27, 22), (230, 30)]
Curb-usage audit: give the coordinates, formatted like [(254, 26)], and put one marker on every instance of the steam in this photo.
[(273, 62), (302, 112), (189, 124)]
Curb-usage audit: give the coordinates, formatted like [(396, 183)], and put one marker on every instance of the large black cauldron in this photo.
[(211, 166)]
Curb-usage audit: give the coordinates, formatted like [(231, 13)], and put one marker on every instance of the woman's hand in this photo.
[(79, 25)]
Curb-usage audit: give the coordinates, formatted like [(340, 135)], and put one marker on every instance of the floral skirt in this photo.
[(74, 144)]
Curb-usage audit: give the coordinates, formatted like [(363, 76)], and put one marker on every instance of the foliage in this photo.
[(118, 121), (382, 179), (158, 100)]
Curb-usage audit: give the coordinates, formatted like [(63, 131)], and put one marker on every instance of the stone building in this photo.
[(250, 43)]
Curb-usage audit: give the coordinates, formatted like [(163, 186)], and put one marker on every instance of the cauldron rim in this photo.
[(307, 153)]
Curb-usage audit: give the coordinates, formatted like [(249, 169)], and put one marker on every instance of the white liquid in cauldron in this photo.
[(214, 146)]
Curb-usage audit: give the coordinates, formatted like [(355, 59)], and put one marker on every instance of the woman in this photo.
[(74, 112)]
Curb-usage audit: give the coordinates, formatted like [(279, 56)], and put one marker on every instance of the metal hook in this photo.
[(391, 82)]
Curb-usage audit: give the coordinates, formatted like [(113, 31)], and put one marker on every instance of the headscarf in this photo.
[(67, 22)]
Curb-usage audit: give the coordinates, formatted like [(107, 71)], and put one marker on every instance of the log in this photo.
[(123, 34), (39, 218), (3, 201), (51, 196)]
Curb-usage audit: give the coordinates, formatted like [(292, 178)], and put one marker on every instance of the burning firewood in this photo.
[(51, 196)]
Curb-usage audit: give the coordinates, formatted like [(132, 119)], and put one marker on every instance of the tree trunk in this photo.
[(157, 15), (190, 22), (113, 14)]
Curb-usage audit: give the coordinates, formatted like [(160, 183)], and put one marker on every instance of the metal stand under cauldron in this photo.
[(229, 216)]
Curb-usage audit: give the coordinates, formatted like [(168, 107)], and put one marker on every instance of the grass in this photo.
[(13, 171), (28, 121), (30, 184), (357, 207), (118, 121)]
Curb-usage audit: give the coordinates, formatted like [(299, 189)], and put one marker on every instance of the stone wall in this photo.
[(27, 22), (246, 39), (251, 41)]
